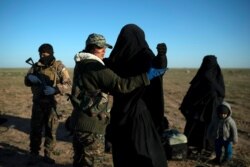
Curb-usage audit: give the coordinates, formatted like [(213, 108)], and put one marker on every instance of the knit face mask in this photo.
[(47, 60)]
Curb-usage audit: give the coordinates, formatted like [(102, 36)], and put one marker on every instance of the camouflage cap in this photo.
[(98, 40)]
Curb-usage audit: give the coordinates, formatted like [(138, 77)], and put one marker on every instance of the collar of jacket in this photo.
[(84, 56)]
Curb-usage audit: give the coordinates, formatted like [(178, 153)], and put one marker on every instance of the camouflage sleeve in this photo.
[(64, 86)]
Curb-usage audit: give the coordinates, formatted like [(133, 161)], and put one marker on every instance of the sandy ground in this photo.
[(15, 105)]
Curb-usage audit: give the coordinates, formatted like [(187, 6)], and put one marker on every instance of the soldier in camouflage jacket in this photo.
[(92, 82), (47, 78)]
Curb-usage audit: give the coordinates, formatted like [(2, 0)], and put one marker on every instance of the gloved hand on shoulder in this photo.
[(34, 79), (49, 90), (154, 72), (161, 49)]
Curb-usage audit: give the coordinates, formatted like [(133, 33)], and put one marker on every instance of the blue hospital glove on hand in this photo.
[(154, 72), (34, 79), (49, 90)]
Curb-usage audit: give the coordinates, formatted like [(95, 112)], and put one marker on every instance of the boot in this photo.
[(216, 160), (33, 159)]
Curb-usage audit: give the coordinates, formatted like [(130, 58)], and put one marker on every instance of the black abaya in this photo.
[(206, 91), (136, 117)]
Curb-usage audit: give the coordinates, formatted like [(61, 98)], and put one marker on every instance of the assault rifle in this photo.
[(35, 72), (30, 61), (43, 84)]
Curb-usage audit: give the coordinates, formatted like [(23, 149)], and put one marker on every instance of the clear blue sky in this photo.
[(190, 28)]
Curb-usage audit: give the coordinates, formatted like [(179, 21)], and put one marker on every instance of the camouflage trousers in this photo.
[(88, 150), (43, 118)]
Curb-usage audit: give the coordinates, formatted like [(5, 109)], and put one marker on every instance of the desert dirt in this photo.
[(15, 105)]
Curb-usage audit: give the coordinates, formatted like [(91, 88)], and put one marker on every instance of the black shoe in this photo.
[(208, 154), (108, 147), (225, 162), (216, 161), (33, 159), (48, 160)]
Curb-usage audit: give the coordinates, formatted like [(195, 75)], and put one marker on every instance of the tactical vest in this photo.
[(50, 75)]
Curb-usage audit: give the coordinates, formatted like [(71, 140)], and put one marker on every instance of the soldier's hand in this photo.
[(49, 90), (34, 79), (161, 49)]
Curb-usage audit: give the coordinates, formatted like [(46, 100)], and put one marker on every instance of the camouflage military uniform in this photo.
[(92, 82), (44, 114), (88, 148)]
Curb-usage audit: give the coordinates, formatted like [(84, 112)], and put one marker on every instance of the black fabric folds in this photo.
[(136, 117), (206, 91)]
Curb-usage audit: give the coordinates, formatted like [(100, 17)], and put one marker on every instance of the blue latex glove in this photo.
[(154, 72), (34, 79), (49, 90)]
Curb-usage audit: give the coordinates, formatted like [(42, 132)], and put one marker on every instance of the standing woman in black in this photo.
[(206, 91), (136, 117)]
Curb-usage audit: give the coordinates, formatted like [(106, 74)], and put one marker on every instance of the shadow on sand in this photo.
[(23, 124), (11, 156)]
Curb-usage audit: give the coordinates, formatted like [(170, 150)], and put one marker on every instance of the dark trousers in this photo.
[(43, 118), (220, 143)]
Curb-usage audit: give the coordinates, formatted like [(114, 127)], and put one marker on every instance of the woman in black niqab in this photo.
[(136, 117), (206, 92)]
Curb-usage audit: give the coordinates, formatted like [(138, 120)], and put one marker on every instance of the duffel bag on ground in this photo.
[(175, 144)]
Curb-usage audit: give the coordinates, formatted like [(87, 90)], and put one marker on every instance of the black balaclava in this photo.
[(47, 61), (46, 48)]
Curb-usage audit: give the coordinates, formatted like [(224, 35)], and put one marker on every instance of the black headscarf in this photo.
[(127, 56), (210, 71), (207, 82), (136, 140), (132, 56)]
